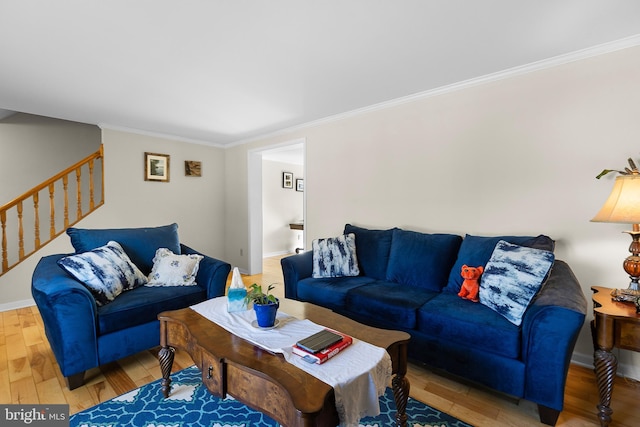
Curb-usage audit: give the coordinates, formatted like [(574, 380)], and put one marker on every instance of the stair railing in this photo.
[(21, 229)]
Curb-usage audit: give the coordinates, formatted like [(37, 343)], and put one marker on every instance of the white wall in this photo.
[(34, 148), (195, 203), (515, 156), (280, 207)]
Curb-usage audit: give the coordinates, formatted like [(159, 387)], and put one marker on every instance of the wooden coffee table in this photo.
[(267, 382)]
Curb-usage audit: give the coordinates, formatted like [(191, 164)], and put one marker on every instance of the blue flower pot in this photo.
[(266, 314)]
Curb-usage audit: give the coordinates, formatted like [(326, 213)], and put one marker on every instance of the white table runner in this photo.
[(358, 375)]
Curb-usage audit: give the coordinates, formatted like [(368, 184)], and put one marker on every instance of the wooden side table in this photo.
[(615, 324)]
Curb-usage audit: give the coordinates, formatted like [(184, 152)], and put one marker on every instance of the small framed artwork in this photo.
[(287, 180), (192, 168), (156, 167), (299, 184)]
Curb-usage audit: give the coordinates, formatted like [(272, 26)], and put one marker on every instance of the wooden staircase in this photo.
[(21, 227)]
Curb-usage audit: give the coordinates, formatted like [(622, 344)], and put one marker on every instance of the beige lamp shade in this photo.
[(623, 204)]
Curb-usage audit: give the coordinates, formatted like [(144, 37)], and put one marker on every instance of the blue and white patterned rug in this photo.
[(191, 405)]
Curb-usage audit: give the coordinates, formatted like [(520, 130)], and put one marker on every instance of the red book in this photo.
[(326, 354)]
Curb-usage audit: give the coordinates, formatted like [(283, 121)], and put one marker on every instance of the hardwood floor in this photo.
[(29, 374)]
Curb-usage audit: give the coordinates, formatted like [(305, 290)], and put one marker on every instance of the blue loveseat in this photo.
[(85, 333), (410, 281)]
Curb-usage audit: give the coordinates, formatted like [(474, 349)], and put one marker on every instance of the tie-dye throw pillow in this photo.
[(512, 277), (106, 271), (335, 257)]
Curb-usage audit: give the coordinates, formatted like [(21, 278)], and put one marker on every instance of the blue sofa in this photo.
[(409, 281), (85, 334)]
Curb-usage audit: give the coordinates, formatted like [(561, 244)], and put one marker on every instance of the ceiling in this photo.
[(223, 72)]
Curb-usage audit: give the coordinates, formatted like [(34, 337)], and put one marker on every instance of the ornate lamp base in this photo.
[(632, 263)]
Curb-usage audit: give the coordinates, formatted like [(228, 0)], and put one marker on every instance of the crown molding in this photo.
[(532, 67), (544, 64), (106, 126)]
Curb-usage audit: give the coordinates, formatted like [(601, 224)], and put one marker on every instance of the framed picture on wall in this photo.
[(299, 184), (156, 167), (192, 168), (287, 180)]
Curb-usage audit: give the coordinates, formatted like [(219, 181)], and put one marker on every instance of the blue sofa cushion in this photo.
[(106, 271), (139, 243), (329, 292), (372, 250), (422, 260), (143, 305), (475, 251), (335, 257), (513, 276), (449, 317), (388, 302)]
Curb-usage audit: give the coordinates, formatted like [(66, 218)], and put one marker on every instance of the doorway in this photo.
[(291, 152)]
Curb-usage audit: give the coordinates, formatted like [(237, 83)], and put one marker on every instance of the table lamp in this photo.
[(623, 206)]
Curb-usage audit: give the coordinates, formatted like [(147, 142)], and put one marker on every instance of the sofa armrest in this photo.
[(69, 314), (212, 273), (294, 269), (550, 329)]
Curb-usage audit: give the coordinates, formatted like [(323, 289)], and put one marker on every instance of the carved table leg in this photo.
[(400, 385), (165, 356), (606, 365)]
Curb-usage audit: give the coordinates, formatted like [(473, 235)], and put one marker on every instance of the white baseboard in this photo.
[(272, 254), (17, 304), (266, 255), (624, 370)]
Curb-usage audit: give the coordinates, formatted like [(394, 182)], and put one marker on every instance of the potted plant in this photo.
[(265, 304)]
